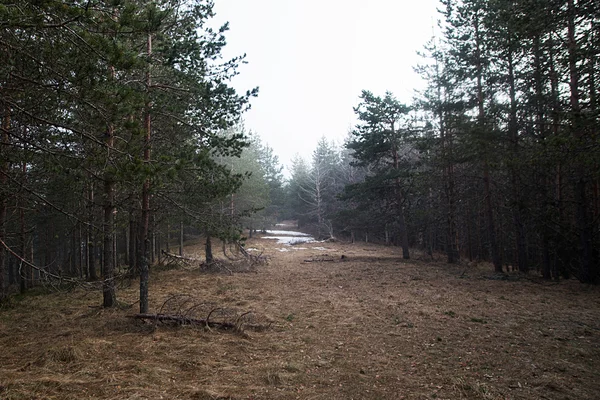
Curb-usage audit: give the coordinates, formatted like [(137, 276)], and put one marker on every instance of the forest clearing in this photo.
[(130, 151), (368, 325)]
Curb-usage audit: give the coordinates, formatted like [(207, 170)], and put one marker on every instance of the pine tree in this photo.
[(89, 90), (379, 143)]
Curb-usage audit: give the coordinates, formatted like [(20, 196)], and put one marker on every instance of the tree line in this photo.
[(113, 116), (497, 160), (120, 134)]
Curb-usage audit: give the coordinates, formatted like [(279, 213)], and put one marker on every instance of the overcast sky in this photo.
[(312, 58)]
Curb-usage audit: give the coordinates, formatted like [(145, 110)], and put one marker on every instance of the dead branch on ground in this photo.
[(254, 259), (177, 259), (247, 262), (183, 309), (322, 258), (215, 266), (181, 320)]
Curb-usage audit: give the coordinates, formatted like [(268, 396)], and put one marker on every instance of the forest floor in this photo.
[(367, 326)]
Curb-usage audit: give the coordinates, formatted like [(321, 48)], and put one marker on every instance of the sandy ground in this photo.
[(368, 325)]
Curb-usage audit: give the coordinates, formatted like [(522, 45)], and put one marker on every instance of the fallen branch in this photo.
[(203, 322), (253, 259), (215, 265), (181, 320), (183, 309), (322, 258), (178, 257)]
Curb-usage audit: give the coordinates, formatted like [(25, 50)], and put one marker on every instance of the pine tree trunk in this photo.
[(74, 253), (490, 219), (153, 239), (2, 249), (22, 236), (181, 238), (546, 270), (115, 249), (478, 231), (447, 173), (133, 238), (399, 206), (127, 246), (491, 226), (541, 122), (144, 260), (517, 207), (452, 248), (31, 258), (108, 285), (561, 259), (86, 254), (4, 167), (144, 248), (50, 249), (587, 271), (208, 248), (80, 250), (403, 235), (593, 104), (91, 244), (469, 239), (158, 247), (168, 239)]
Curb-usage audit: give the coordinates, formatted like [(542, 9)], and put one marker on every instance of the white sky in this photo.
[(311, 59)]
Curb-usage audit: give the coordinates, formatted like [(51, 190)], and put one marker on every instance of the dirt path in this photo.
[(368, 326)]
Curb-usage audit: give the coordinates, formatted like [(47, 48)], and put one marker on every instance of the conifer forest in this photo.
[(124, 160)]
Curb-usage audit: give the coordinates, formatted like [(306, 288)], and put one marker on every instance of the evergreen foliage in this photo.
[(498, 160), (111, 111)]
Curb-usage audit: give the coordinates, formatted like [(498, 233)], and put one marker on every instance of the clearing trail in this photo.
[(368, 325)]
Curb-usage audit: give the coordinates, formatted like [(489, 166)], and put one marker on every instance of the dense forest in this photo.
[(121, 133), (497, 160)]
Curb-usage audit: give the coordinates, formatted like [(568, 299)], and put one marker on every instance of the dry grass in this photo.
[(370, 326)]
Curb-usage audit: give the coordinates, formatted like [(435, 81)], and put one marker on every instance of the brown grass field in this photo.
[(368, 326)]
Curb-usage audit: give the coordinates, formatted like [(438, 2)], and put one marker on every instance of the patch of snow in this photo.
[(290, 239), (283, 249), (322, 249), (286, 233)]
